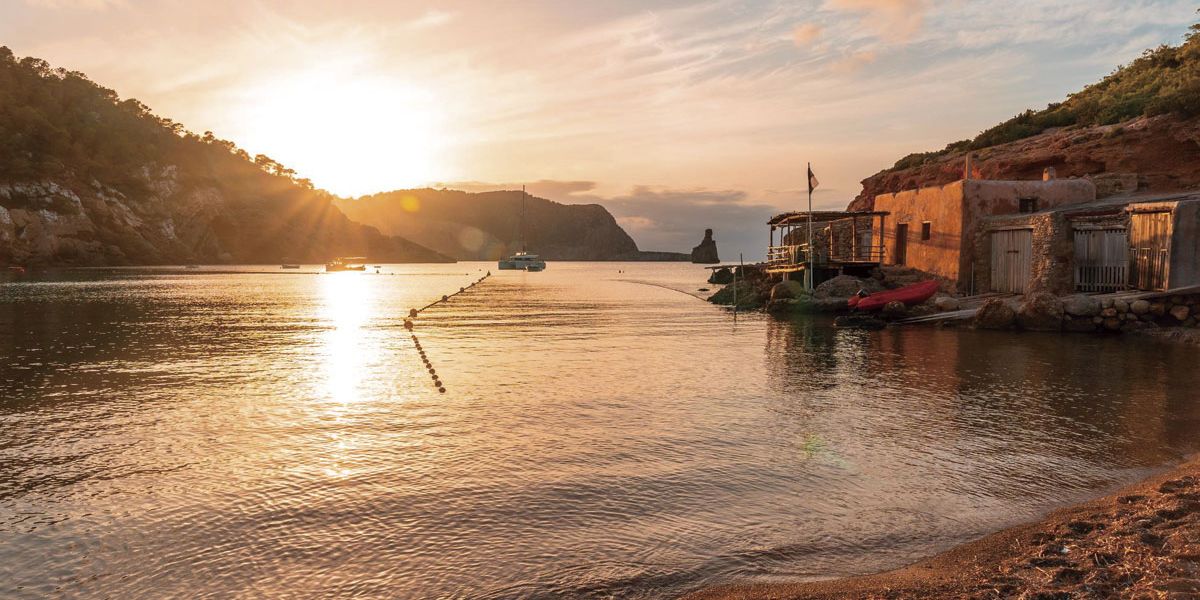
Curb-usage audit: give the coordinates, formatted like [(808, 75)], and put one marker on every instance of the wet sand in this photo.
[(1140, 542)]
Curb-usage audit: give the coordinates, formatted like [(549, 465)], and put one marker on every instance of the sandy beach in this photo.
[(1142, 541)]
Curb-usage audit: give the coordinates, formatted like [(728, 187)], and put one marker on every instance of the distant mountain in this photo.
[(487, 225), (87, 178), (1138, 128)]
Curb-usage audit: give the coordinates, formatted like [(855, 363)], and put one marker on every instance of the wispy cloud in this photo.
[(76, 4)]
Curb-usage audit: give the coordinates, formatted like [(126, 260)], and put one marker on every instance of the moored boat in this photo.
[(910, 295), (522, 261), (346, 263)]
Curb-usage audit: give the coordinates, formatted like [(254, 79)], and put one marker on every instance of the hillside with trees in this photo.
[(89, 178), (1139, 125)]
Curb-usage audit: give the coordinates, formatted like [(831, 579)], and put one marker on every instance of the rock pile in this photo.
[(1045, 312)]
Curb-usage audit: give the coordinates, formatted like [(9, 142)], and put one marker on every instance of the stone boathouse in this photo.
[(933, 229)]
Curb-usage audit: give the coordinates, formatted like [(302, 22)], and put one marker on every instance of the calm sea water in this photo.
[(170, 434)]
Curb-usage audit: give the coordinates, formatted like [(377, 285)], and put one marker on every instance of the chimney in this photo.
[(967, 167), (1048, 174)]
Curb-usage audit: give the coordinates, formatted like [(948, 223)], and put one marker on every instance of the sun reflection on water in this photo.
[(347, 299)]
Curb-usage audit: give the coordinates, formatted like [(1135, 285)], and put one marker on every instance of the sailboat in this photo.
[(523, 260)]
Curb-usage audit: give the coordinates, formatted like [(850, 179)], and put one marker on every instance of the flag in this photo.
[(812, 180)]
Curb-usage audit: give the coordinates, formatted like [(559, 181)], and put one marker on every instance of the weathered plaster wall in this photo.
[(955, 210), (942, 208), (1185, 245)]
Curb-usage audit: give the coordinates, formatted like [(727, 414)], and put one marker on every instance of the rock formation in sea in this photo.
[(706, 252)]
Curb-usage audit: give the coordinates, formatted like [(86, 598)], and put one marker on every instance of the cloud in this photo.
[(854, 62), (891, 20), (76, 4), (430, 19), (805, 34)]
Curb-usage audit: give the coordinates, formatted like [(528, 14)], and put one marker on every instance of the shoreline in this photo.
[(1141, 539)]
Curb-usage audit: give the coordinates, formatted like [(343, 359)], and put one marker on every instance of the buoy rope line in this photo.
[(413, 313)]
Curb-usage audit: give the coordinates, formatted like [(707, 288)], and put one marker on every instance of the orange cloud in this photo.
[(892, 20), (805, 34)]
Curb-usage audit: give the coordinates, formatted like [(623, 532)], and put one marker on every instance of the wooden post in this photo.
[(854, 238)]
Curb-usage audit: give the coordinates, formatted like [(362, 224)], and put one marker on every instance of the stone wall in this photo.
[(1088, 314), (1052, 267)]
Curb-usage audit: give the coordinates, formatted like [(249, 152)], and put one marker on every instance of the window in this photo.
[(1029, 205), (926, 230)]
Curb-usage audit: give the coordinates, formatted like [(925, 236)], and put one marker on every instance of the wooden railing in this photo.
[(779, 256)]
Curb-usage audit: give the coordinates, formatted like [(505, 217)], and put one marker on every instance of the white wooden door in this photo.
[(1012, 255)]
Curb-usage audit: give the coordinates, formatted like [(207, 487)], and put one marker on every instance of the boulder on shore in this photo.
[(786, 290), (995, 314), (721, 276), (845, 286), (706, 252), (894, 310), (1081, 306), (1041, 311), (947, 303)]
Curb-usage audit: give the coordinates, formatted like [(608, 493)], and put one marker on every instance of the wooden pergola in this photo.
[(853, 239)]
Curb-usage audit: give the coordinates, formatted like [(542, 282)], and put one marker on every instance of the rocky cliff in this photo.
[(1159, 153), (89, 179), (706, 252), (1137, 129), (487, 226), (51, 223)]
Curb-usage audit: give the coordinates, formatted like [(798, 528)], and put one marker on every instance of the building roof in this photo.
[(821, 216)]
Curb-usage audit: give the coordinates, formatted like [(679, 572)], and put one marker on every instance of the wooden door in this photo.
[(901, 243), (1012, 258), (1150, 245), (1101, 259)]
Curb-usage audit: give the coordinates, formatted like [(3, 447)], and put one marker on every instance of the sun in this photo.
[(350, 134)]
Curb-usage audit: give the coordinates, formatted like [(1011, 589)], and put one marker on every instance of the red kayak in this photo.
[(909, 295)]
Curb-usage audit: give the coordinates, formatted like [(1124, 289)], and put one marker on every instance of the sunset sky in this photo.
[(675, 115)]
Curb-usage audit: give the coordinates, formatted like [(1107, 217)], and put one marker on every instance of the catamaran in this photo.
[(346, 263), (523, 260)]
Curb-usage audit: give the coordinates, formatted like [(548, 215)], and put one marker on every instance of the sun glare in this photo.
[(349, 134)]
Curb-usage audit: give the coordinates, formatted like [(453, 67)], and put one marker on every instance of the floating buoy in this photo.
[(408, 324), (412, 313), (442, 390), (445, 298)]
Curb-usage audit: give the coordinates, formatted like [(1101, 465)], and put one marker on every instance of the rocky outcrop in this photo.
[(706, 252), (1159, 153), (995, 314), (1041, 311), (170, 219), (488, 226)]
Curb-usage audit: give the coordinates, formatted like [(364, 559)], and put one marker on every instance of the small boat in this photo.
[(522, 261), (191, 266), (289, 266), (16, 269), (346, 263), (910, 295)]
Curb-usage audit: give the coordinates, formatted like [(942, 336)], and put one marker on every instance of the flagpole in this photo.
[(808, 275)]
